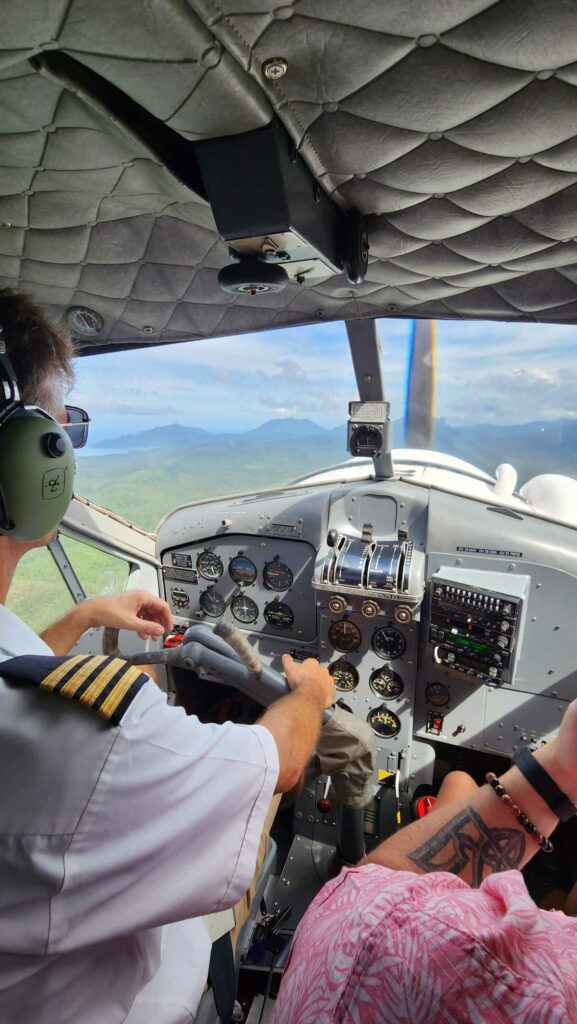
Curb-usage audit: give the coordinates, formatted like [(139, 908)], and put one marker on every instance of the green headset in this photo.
[(36, 462)]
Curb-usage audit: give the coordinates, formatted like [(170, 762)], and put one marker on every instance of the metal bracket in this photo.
[(366, 355), (66, 571)]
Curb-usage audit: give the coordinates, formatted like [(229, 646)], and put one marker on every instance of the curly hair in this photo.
[(38, 348)]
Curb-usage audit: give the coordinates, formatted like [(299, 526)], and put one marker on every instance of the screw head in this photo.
[(275, 68)]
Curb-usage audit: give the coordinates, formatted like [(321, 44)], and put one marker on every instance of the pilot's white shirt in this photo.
[(109, 833)]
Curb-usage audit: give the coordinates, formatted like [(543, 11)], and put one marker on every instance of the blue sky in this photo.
[(487, 372)]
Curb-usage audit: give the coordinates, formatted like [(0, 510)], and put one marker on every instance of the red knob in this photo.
[(323, 805)]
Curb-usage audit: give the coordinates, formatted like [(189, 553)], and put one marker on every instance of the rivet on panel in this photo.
[(275, 68), (391, 307), (320, 314), (148, 329)]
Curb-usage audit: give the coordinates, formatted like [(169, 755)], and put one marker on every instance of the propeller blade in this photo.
[(420, 399)]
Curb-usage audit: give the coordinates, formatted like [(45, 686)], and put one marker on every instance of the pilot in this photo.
[(436, 924), (122, 826)]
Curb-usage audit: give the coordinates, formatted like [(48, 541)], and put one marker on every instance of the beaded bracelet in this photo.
[(543, 843)]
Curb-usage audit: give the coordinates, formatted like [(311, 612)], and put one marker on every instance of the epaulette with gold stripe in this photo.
[(107, 685)]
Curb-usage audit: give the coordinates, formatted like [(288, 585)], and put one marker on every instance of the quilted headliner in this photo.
[(452, 124)]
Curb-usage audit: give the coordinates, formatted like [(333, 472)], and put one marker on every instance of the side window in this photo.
[(98, 572), (38, 593)]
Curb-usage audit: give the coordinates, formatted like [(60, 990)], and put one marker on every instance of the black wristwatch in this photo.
[(543, 784)]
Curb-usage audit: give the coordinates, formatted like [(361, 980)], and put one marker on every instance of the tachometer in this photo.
[(279, 615), (388, 643), (345, 636), (344, 674), (384, 722), (244, 609), (386, 684), (277, 575), (209, 565), (438, 694), (212, 603), (242, 570)]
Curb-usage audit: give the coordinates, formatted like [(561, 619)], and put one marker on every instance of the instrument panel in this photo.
[(264, 586), (442, 619)]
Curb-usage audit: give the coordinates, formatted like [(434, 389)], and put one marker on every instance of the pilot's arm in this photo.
[(136, 610)]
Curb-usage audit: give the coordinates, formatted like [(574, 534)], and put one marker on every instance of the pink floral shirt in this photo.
[(391, 947)]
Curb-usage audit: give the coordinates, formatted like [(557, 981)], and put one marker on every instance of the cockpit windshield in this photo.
[(215, 417)]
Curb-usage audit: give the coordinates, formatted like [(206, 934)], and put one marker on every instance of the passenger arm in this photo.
[(295, 720), (477, 834), (137, 610)]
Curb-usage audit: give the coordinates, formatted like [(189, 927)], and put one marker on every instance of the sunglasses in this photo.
[(77, 421)]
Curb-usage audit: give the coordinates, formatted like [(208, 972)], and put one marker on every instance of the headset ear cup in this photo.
[(36, 487)]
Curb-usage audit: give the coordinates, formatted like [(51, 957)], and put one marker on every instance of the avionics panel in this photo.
[(476, 622)]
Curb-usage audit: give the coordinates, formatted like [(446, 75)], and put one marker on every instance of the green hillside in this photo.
[(143, 486)]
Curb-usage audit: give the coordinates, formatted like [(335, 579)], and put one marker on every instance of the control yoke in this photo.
[(204, 650)]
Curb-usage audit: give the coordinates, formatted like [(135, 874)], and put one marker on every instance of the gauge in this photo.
[(384, 722), (386, 684), (388, 643), (344, 674), (244, 609), (179, 597), (279, 615), (438, 694), (365, 440), (212, 603), (277, 575), (209, 565), (242, 570), (84, 321), (345, 636)]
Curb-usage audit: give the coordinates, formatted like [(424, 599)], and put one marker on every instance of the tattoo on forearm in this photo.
[(466, 839)]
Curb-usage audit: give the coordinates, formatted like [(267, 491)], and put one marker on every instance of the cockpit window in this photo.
[(183, 422), (196, 420)]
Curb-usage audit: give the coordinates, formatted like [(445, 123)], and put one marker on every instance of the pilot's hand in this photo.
[(311, 678), (137, 610)]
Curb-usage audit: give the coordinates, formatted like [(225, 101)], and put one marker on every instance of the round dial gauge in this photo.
[(388, 643), (242, 570), (386, 684), (344, 674), (438, 694), (366, 440), (279, 615), (209, 565), (212, 603), (84, 321), (345, 636), (277, 575), (244, 609), (179, 597), (384, 722)]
